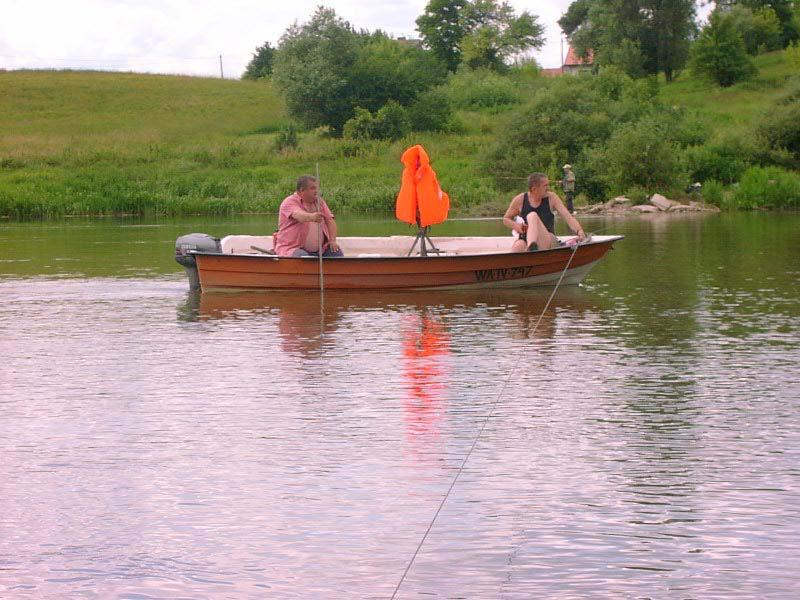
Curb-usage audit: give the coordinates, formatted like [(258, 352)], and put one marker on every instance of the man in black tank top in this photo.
[(531, 216)]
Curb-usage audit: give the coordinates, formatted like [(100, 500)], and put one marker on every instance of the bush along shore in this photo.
[(89, 143)]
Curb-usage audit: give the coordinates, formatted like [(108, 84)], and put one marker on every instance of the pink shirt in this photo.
[(292, 233)]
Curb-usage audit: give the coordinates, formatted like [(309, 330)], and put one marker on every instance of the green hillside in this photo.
[(116, 143), (732, 110), (45, 112), (92, 143)]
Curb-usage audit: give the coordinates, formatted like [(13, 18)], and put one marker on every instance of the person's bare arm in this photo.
[(513, 211), (331, 222), (307, 217), (557, 204)]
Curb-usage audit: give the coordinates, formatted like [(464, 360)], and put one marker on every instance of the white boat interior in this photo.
[(394, 246)]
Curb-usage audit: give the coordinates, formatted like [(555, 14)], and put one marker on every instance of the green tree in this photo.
[(312, 66), (669, 26), (260, 66), (720, 54), (482, 33), (442, 28), (386, 70), (784, 11), (639, 36), (326, 70), (587, 121), (760, 28), (642, 155)]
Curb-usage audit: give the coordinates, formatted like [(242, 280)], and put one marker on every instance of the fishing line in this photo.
[(480, 432), (319, 238)]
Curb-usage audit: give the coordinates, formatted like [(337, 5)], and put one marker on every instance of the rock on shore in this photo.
[(656, 204)]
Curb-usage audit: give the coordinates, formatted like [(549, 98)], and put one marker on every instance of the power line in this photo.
[(109, 60)]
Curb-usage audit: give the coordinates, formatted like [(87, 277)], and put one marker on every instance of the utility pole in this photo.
[(562, 54), (221, 74)]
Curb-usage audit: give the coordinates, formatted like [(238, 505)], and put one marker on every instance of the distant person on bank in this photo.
[(305, 223), (536, 224), (568, 185)]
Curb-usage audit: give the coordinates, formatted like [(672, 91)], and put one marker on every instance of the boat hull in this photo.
[(219, 272)]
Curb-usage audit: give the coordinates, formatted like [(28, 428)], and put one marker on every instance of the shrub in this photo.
[(360, 126), (431, 112), (639, 154), (480, 88), (768, 187), (525, 71), (361, 148), (780, 130), (390, 123), (720, 54), (637, 194), (713, 192), (286, 138), (611, 127), (721, 162)]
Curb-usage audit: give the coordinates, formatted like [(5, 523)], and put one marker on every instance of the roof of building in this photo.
[(573, 60)]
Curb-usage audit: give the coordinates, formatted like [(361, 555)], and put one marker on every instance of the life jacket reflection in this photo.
[(426, 347)]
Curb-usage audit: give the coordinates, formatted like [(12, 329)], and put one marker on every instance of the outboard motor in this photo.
[(194, 241)]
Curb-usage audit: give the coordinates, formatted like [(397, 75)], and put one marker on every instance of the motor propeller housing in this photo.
[(184, 246)]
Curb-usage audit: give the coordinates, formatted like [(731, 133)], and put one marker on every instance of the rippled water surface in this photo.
[(638, 437)]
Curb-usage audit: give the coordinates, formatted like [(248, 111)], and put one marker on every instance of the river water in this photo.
[(637, 438)]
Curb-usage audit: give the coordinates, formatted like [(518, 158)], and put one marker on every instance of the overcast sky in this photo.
[(187, 36)]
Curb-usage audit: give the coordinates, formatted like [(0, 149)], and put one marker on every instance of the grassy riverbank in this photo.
[(94, 143), (88, 143)]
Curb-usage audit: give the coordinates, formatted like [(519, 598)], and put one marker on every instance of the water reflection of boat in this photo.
[(242, 262), (521, 303), (307, 315)]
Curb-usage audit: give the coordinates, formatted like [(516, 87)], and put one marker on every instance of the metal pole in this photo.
[(221, 74)]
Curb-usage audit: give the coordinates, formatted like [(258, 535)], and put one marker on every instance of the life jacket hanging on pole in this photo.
[(421, 201)]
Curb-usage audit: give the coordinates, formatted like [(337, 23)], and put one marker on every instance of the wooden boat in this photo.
[(243, 262)]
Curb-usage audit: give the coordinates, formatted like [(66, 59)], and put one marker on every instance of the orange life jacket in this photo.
[(421, 201)]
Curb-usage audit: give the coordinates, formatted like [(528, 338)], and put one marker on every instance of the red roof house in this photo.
[(574, 63)]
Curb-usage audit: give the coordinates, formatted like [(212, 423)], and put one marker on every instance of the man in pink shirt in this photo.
[(305, 223)]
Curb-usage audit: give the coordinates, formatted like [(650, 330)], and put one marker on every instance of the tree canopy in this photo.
[(260, 66), (720, 52), (482, 33), (640, 36), (760, 28), (327, 70), (613, 127), (784, 11)]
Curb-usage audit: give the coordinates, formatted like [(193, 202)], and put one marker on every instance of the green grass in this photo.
[(732, 111), (98, 143), (94, 143)]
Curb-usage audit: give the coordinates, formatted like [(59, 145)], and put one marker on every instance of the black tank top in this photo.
[(543, 211)]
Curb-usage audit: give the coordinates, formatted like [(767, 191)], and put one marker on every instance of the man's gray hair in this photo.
[(304, 181), (535, 179)]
